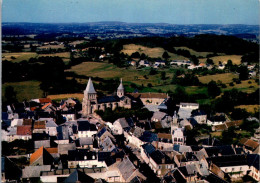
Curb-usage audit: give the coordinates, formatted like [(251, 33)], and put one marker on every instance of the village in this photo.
[(70, 142)]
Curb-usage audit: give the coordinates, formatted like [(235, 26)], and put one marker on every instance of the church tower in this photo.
[(90, 97), (120, 90)]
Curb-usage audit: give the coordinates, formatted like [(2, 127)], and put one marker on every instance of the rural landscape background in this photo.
[(130, 91)]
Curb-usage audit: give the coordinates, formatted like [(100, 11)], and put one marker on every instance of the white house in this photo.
[(51, 128)]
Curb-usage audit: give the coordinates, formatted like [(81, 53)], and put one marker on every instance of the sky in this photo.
[(132, 11)]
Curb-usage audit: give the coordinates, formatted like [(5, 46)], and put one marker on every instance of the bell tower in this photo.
[(90, 97), (120, 90)]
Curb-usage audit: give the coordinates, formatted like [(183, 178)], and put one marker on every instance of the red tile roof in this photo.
[(45, 100), (46, 105), (52, 150), (39, 125), (24, 130), (27, 122), (36, 155)]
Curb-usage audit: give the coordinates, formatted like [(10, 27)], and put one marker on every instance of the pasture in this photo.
[(151, 52)]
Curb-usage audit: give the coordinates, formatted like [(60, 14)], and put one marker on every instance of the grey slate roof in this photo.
[(121, 87), (51, 124), (90, 87), (86, 141), (159, 115), (78, 176), (64, 148), (40, 143), (35, 171), (126, 168), (123, 122)]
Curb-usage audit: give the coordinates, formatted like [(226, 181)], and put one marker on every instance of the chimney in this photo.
[(118, 159), (113, 153)]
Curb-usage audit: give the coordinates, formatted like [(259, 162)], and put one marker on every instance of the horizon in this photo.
[(177, 12), (104, 21)]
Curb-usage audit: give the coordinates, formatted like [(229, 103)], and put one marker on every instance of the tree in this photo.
[(10, 95), (195, 60), (213, 89), (135, 55), (163, 75), (243, 73), (143, 56), (152, 71), (165, 55), (209, 61)]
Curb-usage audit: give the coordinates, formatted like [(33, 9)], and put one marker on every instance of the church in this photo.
[(91, 102)]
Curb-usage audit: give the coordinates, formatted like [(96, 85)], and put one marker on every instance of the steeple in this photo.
[(121, 87), (120, 90), (90, 88)]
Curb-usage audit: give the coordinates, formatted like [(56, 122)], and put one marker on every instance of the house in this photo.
[(144, 63), (35, 171), (86, 143), (42, 143), (217, 119), (84, 158), (107, 145), (200, 116), (158, 161), (41, 157), (86, 129), (24, 132), (119, 126), (78, 176), (133, 63), (174, 176), (234, 165), (186, 109), (159, 63), (148, 136), (253, 163), (69, 116), (64, 148), (248, 144), (164, 137), (133, 135), (51, 128), (39, 127), (128, 171), (158, 116), (178, 136)]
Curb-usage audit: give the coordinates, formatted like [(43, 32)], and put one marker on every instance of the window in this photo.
[(175, 139), (233, 169)]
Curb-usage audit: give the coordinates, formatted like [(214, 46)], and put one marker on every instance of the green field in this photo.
[(20, 56), (25, 90), (236, 59), (151, 52), (193, 52), (109, 71), (224, 78), (244, 86)]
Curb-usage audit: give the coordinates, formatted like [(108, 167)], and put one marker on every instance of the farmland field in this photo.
[(236, 59), (79, 96), (19, 56), (109, 71), (25, 90), (193, 52), (244, 86), (249, 108), (224, 78), (151, 52)]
